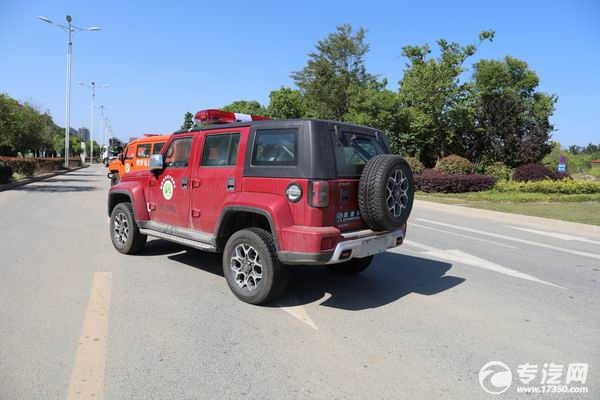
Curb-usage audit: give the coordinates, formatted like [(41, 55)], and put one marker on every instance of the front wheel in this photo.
[(251, 267), (351, 267), (124, 232)]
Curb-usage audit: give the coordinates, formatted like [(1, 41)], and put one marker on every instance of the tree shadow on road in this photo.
[(75, 173), (67, 179), (55, 188), (390, 277)]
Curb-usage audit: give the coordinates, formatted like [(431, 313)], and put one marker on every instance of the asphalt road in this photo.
[(465, 289)]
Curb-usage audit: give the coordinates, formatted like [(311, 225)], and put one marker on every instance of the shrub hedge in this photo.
[(454, 165), (550, 186), (498, 170), (535, 172), (415, 165), (31, 166), (5, 173), (435, 181)]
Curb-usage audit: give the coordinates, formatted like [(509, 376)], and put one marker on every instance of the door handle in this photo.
[(230, 183), (196, 183), (184, 182)]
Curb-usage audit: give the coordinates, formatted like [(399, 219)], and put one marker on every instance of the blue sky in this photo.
[(164, 58)]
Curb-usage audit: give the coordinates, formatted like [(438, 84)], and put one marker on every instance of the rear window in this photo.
[(353, 151), (277, 147)]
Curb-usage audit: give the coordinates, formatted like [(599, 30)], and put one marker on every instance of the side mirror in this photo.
[(156, 162), (120, 157)]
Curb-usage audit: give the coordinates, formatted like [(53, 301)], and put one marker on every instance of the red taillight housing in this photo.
[(318, 194), (225, 117)]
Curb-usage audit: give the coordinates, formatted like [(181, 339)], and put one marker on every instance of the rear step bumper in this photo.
[(355, 244), (366, 243)]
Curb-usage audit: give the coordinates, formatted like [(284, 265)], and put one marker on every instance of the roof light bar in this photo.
[(224, 117)]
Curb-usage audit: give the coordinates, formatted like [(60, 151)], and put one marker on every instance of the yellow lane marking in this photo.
[(87, 378)]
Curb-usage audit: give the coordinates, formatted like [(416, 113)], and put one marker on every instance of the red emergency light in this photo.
[(225, 117)]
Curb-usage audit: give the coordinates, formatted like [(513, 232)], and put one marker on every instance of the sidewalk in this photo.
[(12, 185)]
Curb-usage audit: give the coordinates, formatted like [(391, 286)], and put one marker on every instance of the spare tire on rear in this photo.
[(386, 192)]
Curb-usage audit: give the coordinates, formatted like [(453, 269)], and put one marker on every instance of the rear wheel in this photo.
[(124, 231), (352, 267), (251, 267)]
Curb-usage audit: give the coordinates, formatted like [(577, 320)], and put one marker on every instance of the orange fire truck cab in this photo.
[(136, 155)]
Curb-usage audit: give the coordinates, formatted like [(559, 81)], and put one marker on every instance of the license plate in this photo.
[(373, 246)]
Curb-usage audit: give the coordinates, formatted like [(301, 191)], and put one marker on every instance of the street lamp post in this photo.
[(93, 86), (102, 128), (70, 30)]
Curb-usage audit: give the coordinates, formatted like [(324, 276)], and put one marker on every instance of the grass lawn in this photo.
[(582, 208)]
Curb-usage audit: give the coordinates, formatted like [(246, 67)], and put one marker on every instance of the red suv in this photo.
[(267, 194)]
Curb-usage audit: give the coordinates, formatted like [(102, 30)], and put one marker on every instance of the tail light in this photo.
[(318, 194)]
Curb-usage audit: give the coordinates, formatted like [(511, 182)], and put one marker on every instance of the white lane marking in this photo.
[(298, 311), (514, 239), (420, 246), (469, 259), (461, 235), (560, 236), (87, 377)]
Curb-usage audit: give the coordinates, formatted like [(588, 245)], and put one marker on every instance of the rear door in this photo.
[(169, 189), (217, 177), (352, 151)]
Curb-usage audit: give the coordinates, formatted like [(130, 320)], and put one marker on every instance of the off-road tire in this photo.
[(373, 193), (114, 179), (274, 278), (135, 241), (351, 267)]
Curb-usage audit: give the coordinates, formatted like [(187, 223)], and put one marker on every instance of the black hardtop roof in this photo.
[(269, 122)]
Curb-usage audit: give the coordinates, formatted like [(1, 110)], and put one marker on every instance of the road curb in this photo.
[(12, 185), (509, 217)]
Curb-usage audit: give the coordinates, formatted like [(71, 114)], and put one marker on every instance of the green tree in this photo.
[(437, 103), (246, 107), (514, 117), (188, 120), (379, 108), (286, 103), (9, 110), (334, 72), (23, 128)]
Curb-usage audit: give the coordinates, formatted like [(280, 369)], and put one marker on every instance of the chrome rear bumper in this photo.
[(365, 243)]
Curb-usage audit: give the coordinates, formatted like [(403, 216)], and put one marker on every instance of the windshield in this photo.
[(353, 151)]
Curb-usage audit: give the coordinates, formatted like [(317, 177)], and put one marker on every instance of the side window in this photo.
[(157, 148), (275, 147), (129, 153), (233, 150), (143, 150), (220, 150), (178, 153)]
